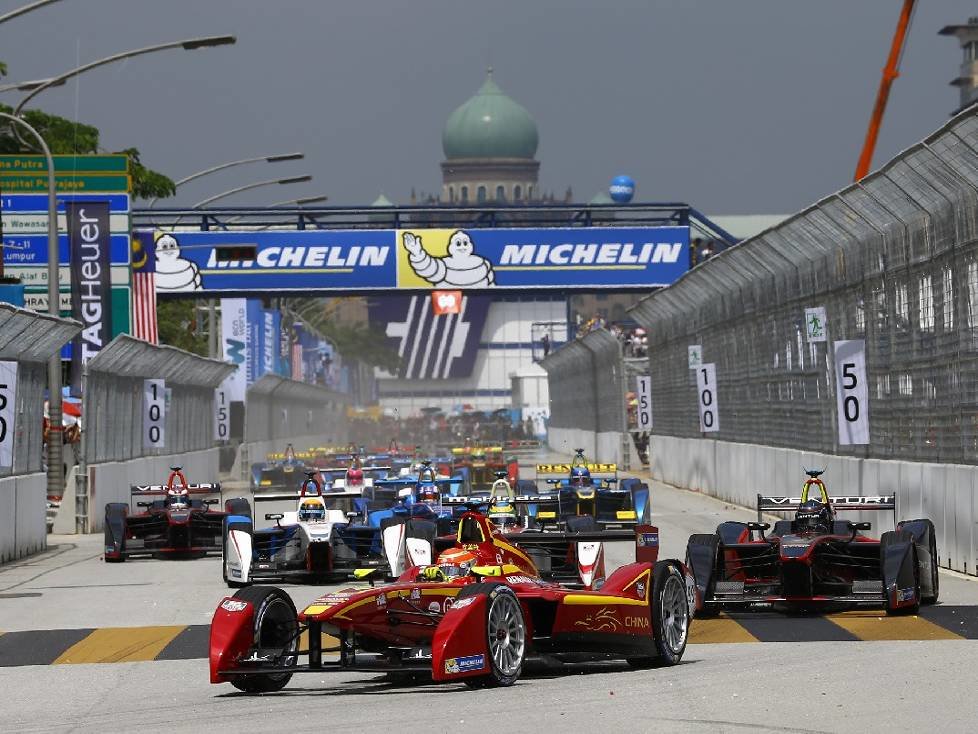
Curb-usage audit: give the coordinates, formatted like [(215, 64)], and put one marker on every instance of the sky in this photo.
[(747, 107)]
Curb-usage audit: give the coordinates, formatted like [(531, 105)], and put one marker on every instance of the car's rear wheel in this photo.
[(934, 570), (669, 608), (505, 636), (276, 637)]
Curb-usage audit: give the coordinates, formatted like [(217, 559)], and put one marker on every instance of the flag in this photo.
[(144, 287)]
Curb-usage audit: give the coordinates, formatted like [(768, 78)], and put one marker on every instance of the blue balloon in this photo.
[(622, 189)]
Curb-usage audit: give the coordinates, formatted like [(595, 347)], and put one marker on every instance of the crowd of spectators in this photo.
[(434, 428)]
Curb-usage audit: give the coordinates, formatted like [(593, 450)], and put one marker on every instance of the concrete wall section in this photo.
[(23, 528), (738, 472)]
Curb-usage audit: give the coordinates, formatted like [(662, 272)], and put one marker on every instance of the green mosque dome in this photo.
[(490, 125)]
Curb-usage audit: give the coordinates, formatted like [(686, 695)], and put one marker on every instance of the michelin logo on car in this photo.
[(465, 664)]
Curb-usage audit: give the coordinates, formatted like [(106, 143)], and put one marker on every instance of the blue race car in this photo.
[(585, 489)]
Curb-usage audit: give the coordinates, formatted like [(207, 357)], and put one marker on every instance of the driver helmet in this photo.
[(429, 493), (580, 477), (311, 511), (813, 516), (354, 477), (178, 498)]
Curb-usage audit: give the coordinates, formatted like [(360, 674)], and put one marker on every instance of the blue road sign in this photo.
[(32, 249)]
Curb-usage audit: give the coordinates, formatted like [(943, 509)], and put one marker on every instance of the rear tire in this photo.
[(670, 613), (934, 569), (276, 627), (505, 635)]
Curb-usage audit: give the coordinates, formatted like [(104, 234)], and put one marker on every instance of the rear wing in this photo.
[(344, 469), (843, 502), (562, 471), (147, 489), (296, 496)]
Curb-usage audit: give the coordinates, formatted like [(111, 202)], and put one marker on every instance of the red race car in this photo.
[(474, 616), (815, 561), (176, 521)]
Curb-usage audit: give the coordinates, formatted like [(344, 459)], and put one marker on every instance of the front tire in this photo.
[(670, 612), (505, 636), (276, 631)]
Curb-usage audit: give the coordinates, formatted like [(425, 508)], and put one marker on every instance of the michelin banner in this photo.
[(422, 259)]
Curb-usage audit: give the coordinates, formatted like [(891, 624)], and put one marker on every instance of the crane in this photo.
[(890, 72)]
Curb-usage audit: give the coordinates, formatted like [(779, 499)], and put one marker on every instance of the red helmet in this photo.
[(354, 477)]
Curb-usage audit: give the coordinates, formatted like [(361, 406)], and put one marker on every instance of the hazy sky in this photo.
[(753, 106)]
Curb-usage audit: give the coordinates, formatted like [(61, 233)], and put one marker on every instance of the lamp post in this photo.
[(55, 461), (214, 169), (248, 187), (25, 9), (28, 86), (189, 44)]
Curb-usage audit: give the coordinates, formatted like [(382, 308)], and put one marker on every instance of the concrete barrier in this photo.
[(23, 525), (738, 472)]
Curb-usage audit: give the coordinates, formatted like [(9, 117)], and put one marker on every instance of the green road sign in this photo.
[(65, 164), (67, 183)]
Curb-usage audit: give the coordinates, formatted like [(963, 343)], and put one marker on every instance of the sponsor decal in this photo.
[(464, 664), (520, 579), (640, 589), (640, 622), (565, 468), (236, 573), (905, 594), (109, 549), (648, 540), (449, 602), (382, 601), (602, 620), (434, 607), (233, 605), (415, 594), (459, 603)]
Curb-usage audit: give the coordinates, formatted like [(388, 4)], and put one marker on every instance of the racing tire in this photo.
[(914, 608), (505, 635), (671, 617), (238, 506), (276, 626), (935, 571), (115, 509)]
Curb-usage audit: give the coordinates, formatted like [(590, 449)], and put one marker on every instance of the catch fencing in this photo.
[(113, 399), (281, 409), (29, 340), (893, 259), (587, 380)]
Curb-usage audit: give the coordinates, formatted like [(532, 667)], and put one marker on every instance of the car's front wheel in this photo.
[(669, 608), (505, 636), (276, 637)]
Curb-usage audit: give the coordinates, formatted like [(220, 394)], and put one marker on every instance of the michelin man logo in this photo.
[(173, 273), (460, 268)]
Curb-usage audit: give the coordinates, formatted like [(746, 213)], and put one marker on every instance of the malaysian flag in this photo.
[(144, 288)]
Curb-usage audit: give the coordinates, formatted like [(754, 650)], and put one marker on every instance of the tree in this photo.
[(355, 340), (177, 323), (68, 137)]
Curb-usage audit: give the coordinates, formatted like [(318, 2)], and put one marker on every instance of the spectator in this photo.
[(545, 340)]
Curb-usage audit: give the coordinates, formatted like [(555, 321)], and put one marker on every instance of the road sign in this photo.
[(852, 392), (38, 203), (28, 183), (816, 324), (65, 164), (644, 413), (706, 387), (33, 249)]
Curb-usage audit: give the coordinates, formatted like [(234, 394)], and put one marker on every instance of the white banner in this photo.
[(154, 414), (8, 411), (852, 392), (694, 354), (644, 393), (706, 390), (234, 343), (816, 324), (222, 414)]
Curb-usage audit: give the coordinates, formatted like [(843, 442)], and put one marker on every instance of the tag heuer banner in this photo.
[(89, 237), (421, 259)]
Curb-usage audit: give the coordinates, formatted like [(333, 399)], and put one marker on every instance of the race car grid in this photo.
[(187, 642)]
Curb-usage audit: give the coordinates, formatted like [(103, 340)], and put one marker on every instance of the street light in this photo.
[(188, 44), (28, 86), (248, 187), (25, 9), (55, 477), (213, 169)]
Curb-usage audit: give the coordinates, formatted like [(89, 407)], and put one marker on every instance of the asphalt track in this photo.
[(65, 615)]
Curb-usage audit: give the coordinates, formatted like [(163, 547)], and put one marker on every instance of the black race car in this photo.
[(815, 561), (177, 521)]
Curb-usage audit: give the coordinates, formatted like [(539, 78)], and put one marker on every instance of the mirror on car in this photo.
[(862, 525), (144, 504), (351, 514), (274, 516), (760, 526), (212, 502)]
